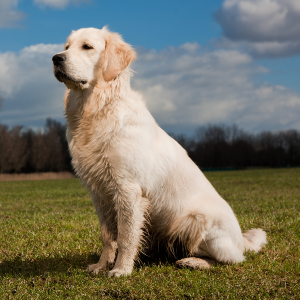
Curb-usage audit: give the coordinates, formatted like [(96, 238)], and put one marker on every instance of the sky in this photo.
[(199, 62)]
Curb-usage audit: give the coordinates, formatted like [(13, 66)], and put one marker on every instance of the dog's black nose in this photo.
[(59, 58)]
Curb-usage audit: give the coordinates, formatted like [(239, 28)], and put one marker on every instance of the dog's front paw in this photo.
[(119, 272), (95, 269)]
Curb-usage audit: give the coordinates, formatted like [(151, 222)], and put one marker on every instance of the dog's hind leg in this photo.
[(225, 250), (221, 249), (218, 249), (107, 219)]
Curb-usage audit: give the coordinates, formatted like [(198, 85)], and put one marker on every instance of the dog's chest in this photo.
[(90, 148)]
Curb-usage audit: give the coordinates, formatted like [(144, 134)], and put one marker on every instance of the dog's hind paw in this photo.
[(195, 263)]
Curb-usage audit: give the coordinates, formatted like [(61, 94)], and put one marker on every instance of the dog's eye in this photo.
[(87, 47), (67, 47)]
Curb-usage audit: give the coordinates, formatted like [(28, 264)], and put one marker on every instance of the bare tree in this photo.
[(20, 151), (1, 102), (39, 151), (5, 149)]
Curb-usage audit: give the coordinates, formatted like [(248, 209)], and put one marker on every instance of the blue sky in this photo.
[(152, 24), (222, 61)]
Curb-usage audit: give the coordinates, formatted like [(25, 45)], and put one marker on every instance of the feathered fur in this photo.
[(136, 173)]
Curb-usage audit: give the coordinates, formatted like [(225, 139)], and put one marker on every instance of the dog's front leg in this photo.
[(131, 218), (107, 218)]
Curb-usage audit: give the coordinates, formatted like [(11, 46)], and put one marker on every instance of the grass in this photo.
[(49, 233)]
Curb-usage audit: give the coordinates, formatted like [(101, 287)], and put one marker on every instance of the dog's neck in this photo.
[(100, 100), (108, 92)]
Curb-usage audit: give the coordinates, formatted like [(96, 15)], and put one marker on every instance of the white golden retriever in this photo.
[(138, 176)]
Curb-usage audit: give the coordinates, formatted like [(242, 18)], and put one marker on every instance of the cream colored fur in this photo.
[(136, 173)]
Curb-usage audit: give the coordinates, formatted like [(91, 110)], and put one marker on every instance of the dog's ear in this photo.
[(117, 56)]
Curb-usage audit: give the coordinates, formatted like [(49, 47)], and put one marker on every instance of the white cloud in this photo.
[(188, 86), (260, 49), (9, 15), (184, 86), (30, 91), (58, 3), (264, 27)]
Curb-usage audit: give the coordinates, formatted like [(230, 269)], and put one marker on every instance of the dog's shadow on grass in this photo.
[(43, 265), (69, 263)]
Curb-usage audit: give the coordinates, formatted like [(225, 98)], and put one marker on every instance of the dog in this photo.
[(138, 176)]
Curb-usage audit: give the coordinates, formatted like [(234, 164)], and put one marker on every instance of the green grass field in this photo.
[(50, 233)]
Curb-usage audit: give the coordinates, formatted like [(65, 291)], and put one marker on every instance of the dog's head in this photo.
[(92, 55)]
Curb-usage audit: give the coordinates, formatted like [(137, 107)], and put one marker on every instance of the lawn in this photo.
[(50, 233)]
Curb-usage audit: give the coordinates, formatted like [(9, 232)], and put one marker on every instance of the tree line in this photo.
[(25, 150), (212, 146), (222, 146)]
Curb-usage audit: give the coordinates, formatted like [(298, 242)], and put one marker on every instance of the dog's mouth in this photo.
[(63, 77)]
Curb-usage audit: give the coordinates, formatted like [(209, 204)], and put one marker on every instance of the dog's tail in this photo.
[(254, 239)]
